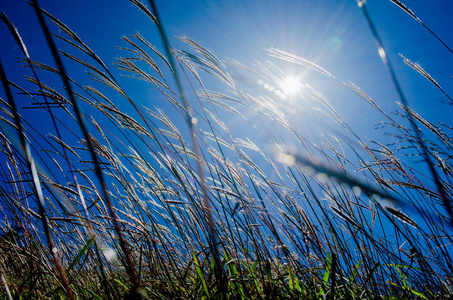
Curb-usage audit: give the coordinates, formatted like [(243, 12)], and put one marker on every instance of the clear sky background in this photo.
[(330, 33)]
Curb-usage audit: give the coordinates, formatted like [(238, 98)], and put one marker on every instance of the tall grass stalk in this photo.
[(290, 209), (81, 122), (418, 137), (191, 121)]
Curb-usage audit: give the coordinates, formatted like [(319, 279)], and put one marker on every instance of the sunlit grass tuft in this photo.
[(139, 204)]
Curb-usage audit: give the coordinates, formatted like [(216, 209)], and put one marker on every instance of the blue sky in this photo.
[(331, 33)]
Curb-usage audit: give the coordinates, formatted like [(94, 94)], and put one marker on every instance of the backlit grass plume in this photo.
[(122, 199)]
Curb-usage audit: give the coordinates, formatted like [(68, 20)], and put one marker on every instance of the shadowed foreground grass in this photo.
[(116, 199)]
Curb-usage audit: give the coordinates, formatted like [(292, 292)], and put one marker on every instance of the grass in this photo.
[(116, 205)]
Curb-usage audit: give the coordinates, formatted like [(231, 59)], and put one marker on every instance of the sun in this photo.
[(290, 86)]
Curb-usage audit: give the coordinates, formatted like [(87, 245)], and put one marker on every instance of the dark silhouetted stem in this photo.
[(78, 112), (441, 190), (36, 183), (212, 236)]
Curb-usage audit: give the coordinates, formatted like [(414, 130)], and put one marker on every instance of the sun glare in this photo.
[(290, 86)]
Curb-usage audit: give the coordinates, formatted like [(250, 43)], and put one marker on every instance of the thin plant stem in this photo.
[(440, 188), (78, 112), (36, 183), (191, 121)]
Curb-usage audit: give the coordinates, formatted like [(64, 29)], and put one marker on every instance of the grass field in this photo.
[(254, 187)]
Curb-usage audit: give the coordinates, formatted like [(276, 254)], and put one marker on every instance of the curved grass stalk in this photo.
[(411, 13), (191, 121), (441, 190), (36, 183), (277, 226), (123, 245)]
